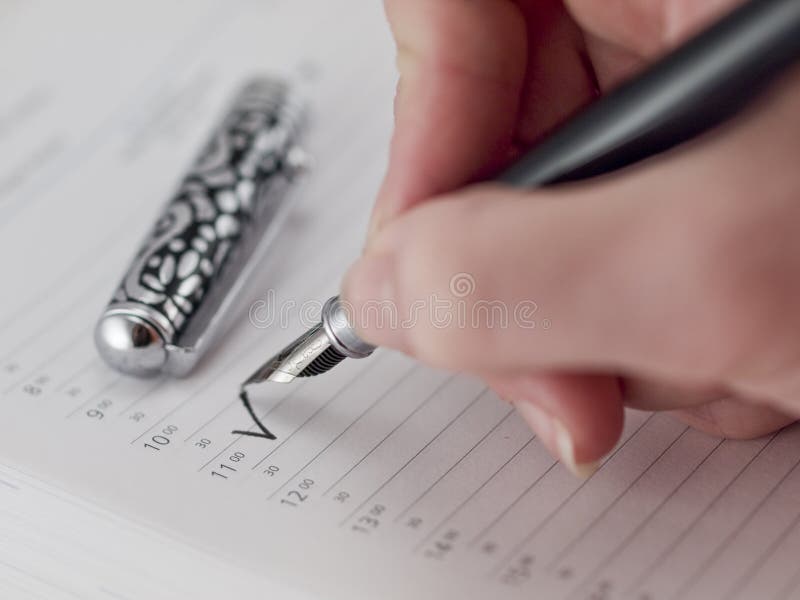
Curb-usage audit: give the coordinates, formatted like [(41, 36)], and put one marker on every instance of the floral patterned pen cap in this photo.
[(177, 292)]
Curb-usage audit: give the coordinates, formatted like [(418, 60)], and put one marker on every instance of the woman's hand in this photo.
[(674, 285)]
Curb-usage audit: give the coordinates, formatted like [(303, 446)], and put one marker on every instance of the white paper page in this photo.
[(56, 545), (387, 479)]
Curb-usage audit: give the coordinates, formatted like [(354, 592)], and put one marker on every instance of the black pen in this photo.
[(698, 86)]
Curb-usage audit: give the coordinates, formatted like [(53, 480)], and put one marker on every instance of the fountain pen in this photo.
[(696, 87)]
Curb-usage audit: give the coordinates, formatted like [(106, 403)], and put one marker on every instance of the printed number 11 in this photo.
[(221, 467)]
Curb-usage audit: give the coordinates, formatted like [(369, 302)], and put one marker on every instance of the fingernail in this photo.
[(566, 451), (369, 287), (555, 436)]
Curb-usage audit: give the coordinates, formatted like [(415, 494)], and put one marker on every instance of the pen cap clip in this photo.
[(184, 279)]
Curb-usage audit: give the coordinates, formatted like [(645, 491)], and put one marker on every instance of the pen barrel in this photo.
[(184, 272), (698, 86)]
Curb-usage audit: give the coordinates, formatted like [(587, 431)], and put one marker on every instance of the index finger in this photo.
[(466, 70)]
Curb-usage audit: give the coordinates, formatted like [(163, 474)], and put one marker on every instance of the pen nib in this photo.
[(311, 352), (315, 352)]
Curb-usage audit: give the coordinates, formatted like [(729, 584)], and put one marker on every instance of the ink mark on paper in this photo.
[(263, 431)]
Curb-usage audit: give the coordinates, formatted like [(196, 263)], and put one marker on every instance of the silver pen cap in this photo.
[(174, 296), (317, 351)]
